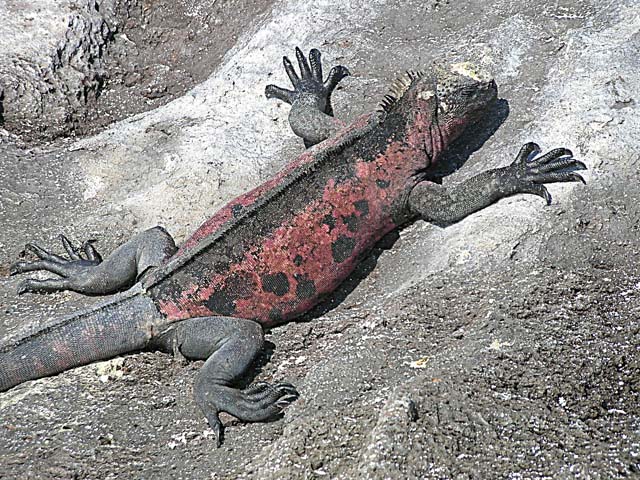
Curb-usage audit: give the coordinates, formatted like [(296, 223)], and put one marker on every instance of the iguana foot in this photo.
[(80, 259), (257, 403), (529, 172), (309, 85), (84, 271), (229, 345), (311, 115)]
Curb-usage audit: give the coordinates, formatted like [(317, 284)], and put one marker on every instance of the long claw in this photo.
[(257, 403), (285, 401), (551, 155), (287, 384), (71, 250), (305, 71), (216, 426), (539, 190), (560, 164), (263, 391), (257, 389), (53, 267), (288, 390), (525, 152), (578, 178), (91, 252), (43, 254), (556, 177), (43, 286), (316, 64), (39, 251), (288, 67), (273, 91), (287, 387), (336, 74), (580, 165)]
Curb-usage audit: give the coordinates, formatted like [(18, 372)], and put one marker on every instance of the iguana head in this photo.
[(439, 106), (463, 93)]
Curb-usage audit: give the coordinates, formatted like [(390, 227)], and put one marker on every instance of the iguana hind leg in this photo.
[(85, 271), (527, 174), (311, 115), (229, 346)]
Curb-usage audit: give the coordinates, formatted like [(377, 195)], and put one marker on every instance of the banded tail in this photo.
[(124, 323)]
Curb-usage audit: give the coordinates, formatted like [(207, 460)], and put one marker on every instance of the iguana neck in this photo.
[(424, 141)]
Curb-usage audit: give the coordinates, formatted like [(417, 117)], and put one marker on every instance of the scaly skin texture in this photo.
[(273, 253), (289, 250)]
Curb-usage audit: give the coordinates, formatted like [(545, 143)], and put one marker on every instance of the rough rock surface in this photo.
[(506, 346), (75, 66)]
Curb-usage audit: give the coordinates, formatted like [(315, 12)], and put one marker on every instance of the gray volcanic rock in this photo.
[(505, 346), (71, 67), (54, 65)]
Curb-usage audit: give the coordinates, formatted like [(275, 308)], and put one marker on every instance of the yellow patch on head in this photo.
[(469, 70)]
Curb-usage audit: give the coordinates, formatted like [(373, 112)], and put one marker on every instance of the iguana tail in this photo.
[(125, 323)]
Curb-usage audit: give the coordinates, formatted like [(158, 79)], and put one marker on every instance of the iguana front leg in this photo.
[(443, 206), (92, 275), (311, 115)]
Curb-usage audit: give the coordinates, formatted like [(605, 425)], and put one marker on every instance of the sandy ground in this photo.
[(523, 319)]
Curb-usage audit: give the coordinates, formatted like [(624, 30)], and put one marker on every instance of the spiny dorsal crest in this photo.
[(398, 88)]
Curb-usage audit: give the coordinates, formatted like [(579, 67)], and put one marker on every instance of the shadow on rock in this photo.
[(470, 141)]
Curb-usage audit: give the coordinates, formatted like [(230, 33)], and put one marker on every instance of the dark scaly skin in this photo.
[(303, 243), (273, 253), (123, 324)]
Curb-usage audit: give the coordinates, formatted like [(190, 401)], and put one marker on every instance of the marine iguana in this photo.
[(272, 254)]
